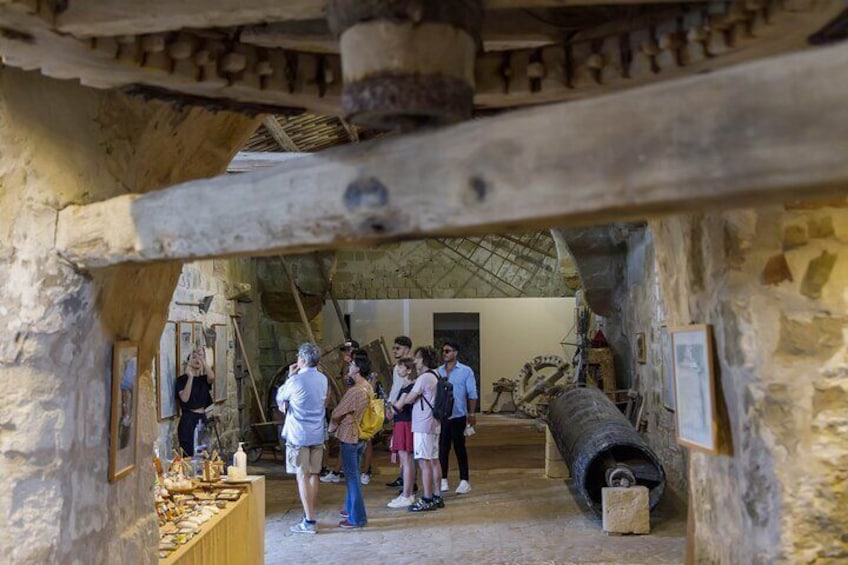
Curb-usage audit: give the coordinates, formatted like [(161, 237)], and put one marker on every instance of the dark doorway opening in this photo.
[(463, 328)]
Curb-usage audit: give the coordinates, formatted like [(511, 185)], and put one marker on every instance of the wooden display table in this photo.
[(235, 535)]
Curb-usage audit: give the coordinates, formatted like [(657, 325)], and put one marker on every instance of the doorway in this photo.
[(463, 328)]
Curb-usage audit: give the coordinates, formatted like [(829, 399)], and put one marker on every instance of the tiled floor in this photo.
[(512, 515)]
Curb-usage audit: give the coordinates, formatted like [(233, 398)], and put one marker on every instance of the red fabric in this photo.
[(402, 437), (600, 340)]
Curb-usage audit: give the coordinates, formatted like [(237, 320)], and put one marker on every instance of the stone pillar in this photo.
[(60, 144), (773, 282)]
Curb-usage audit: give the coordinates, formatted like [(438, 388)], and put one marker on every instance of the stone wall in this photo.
[(220, 279), (772, 283), (642, 310), (62, 143)]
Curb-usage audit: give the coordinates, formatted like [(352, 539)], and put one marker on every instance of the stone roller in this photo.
[(601, 447)]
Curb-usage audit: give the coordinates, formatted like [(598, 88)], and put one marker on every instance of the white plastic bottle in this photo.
[(240, 458)]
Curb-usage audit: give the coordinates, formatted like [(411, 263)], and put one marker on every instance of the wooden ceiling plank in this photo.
[(761, 133), (91, 18)]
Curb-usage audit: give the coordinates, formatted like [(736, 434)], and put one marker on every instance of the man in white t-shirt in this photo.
[(426, 428), (401, 349), (302, 400)]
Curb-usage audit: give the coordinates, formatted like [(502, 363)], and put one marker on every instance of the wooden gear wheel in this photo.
[(265, 56), (536, 378)]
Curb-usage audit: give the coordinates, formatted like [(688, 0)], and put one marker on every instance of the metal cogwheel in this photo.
[(536, 379)]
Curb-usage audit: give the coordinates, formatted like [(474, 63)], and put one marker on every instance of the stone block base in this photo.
[(555, 467), (551, 450), (626, 510)]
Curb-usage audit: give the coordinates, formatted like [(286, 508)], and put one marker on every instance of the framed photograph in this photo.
[(667, 369), (641, 348), (186, 342), (167, 369), (124, 417), (219, 392), (694, 387)]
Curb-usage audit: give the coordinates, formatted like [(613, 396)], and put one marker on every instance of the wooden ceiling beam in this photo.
[(351, 130), (502, 30), (761, 133), (91, 18), (278, 132), (519, 78), (249, 161)]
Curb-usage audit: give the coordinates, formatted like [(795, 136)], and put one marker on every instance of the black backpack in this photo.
[(442, 407)]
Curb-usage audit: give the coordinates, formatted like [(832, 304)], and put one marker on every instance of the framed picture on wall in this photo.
[(185, 343), (166, 374), (641, 348), (694, 387), (220, 363), (124, 411), (667, 369)]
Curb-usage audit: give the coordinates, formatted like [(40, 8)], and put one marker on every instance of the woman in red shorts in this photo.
[(402, 434)]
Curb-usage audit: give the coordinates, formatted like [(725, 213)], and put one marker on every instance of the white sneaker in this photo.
[(402, 502), (463, 488), (445, 486), (365, 478), (330, 477), (303, 528)]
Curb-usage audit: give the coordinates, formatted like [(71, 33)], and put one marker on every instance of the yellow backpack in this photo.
[(372, 418)]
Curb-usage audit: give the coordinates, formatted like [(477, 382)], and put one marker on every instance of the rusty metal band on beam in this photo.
[(759, 133)]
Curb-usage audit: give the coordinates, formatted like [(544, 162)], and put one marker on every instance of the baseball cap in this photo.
[(352, 344)]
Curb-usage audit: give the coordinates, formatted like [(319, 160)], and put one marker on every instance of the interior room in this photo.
[(606, 244)]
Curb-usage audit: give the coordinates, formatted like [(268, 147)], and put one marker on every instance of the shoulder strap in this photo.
[(424, 398)]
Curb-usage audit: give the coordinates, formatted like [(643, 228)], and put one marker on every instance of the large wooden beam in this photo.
[(599, 60), (502, 30), (90, 18), (759, 133)]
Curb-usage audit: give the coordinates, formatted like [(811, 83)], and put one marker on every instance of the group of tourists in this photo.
[(432, 406)]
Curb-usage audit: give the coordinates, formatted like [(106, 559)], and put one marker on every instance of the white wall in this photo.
[(512, 330)]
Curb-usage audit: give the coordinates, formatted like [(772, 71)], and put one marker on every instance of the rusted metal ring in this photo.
[(464, 14), (620, 476), (407, 101)]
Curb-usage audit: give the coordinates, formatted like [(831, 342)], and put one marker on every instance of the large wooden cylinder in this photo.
[(598, 444), (407, 63)]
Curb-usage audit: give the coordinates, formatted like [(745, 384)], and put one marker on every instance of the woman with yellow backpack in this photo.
[(352, 422)]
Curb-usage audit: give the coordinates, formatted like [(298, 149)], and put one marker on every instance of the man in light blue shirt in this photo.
[(302, 400), (464, 404)]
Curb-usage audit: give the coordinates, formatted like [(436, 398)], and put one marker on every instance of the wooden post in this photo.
[(298, 301), (249, 371), (336, 307), (690, 517)]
